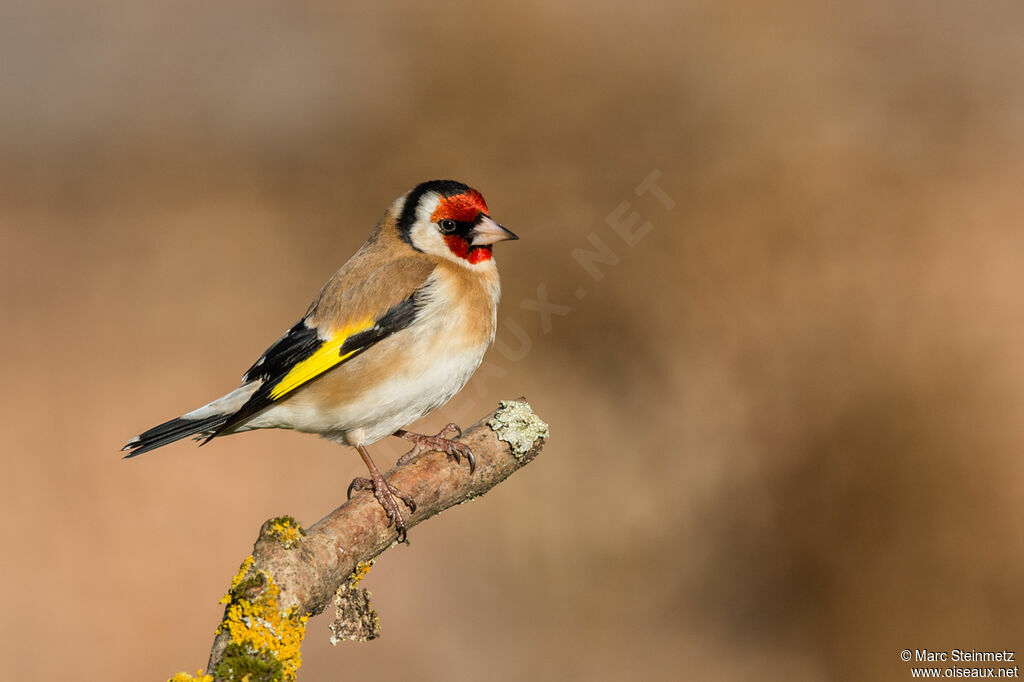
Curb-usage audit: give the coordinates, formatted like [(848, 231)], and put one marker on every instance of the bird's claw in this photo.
[(359, 484), (440, 443)]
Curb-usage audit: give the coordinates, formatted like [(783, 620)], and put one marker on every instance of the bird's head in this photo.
[(450, 220)]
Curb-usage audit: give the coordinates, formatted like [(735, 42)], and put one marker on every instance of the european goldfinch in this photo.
[(393, 335)]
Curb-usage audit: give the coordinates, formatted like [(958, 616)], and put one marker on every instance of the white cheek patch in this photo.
[(425, 237), (424, 234)]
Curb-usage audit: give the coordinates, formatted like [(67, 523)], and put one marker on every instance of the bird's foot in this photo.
[(422, 443), (385, 494), (360, 484)]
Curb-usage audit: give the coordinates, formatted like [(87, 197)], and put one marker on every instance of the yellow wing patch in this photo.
[(326, 356)]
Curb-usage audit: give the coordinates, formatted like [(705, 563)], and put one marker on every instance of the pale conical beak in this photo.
[(488, 232)]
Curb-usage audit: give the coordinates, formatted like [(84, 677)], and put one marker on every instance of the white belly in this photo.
[(398, 402)]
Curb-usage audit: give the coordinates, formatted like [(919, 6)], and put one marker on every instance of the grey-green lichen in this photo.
[(516, 424), (355, 619)]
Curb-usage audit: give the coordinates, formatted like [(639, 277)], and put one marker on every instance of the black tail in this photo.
[(168, 432)]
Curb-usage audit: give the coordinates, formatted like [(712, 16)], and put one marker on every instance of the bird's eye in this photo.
[(447, 225)]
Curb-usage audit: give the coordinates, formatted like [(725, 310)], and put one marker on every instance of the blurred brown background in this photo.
[(786, 425)]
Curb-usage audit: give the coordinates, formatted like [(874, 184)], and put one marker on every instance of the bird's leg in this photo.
[(422, 443), (384, 492)]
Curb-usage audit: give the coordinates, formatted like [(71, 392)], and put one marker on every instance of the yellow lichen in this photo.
[(237, 580), (362, 568), (260, 632), (185, 677), (287, 530)]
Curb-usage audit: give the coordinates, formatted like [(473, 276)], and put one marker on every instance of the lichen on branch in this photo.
[(264, 639)]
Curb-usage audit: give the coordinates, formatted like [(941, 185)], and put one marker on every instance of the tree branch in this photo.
[(294, 574)]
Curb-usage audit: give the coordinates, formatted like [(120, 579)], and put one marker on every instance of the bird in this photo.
[(394, 334)]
